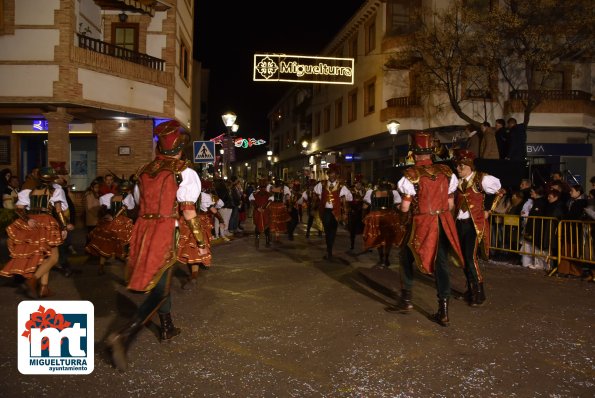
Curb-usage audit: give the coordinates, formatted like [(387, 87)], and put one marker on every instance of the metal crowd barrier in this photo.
[(546, 238)]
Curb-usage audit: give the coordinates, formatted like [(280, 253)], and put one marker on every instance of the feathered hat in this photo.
[(172, 137)]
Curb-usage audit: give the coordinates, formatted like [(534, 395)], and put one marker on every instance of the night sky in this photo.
[(228, 34)]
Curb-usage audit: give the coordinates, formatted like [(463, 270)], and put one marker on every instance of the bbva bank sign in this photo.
[(303, 69)]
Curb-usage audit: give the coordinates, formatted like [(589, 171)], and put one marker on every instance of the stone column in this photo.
[(58, 139)]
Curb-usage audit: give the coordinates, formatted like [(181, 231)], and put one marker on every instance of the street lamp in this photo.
[(393, 129), (229, 120)]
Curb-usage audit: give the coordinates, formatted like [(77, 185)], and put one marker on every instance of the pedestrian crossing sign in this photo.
[(204, 151)]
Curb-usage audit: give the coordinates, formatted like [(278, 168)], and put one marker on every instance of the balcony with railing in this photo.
[(119, 52), (553, 101), (119, 61), (402, 107)]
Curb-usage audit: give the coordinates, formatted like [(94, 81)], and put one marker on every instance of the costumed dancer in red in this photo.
[(189, 251), (478, 194), (110, 238), (278, 209), (166, 186), (427, 191), (260, 202), (293, 209), (381, 224), (332, 197), (310, 199), (34, 237)]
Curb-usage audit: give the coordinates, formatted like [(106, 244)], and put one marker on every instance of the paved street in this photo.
[(282, 322)]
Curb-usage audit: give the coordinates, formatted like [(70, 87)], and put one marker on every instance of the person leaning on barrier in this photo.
[(478, 195)]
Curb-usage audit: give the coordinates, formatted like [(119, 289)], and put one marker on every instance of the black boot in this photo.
[(118, 343), (478, 295), (257, 240), (267, 236), (168, 330), (441, 317), (386, 257), (404, 305)]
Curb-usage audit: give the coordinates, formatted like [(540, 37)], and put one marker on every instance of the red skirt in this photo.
[(188, 250), (28, 247), (109, 238), (261, 219), (380, 228), (279, 217)]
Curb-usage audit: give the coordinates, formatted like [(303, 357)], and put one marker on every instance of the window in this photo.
[(369, 96), (551, 81), (125, 35), (339, 112), (4, 150), (371, 36), (480, 6), (352, 105), (326, 119), (353, 47), (316, 124), (400, 16), (478, 83), (184, 61)]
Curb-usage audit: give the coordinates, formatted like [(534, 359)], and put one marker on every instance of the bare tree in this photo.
[(463, 50)]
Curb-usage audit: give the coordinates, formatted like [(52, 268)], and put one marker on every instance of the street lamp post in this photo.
[(229, 119), (393, 129)]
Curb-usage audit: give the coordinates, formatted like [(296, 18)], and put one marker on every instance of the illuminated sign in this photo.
[(40, 125), (303, 69), (240, 142)]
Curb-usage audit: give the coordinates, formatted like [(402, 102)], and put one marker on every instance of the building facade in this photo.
[(314, 124), (85, 81)]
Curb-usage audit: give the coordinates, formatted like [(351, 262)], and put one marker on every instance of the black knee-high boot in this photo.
[(168, 330)]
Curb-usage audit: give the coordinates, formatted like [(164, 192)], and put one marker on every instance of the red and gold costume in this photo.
[(278, 211), (430, 205), (382, 222), (189, 252), (112, 235), (28, 246), (261, 200)]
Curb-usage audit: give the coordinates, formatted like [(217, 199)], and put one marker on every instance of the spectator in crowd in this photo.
[(250, 189), (525, 189), (10, 195), (5, 175), (534, 257), (224, 194), (592, 181), (108, 186), (517, 150), (473, 139), (572, 244), (502, 138), (590, 209), (31, 179), (92, 206), (489, 147)]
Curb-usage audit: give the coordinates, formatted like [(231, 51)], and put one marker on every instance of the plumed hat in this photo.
[(172, 137), (59, 167), (422, 143), (47, 174), (464, 156)]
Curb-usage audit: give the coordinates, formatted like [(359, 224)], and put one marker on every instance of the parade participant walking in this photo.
[(478, 195), (355, 223), (292, 208), (189, 251), (260, 202), (42, 220), (310, 200), (278, 209), (332, 197), (427, 199), (111, 236), (166, 186), (381, 229)]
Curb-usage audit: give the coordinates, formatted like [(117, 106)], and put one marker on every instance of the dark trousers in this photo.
[(467, 237), (63, 250), (293, 223), (159, 299), (440, 266), (330, 224)]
